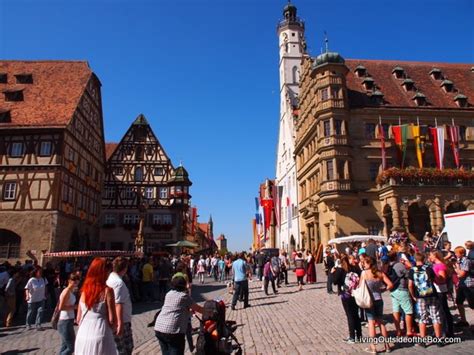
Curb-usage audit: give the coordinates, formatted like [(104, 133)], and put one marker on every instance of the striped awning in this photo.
[(93, 253)]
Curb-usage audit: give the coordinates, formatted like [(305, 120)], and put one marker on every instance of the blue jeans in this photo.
[(68, 337), (35, 309)]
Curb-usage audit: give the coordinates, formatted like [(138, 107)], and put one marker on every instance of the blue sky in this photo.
[(205, 72)]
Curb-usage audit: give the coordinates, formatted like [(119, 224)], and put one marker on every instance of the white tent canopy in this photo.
[(357, 238)]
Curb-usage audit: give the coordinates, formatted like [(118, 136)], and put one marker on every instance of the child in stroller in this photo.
[(216, 335)]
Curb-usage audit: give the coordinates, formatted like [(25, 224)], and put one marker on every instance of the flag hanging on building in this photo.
[(418, 144), (382, 145), (261, 222), (267, 205), (453, 131), (254, 233), (276, 203), (400, 134), (437, 134)]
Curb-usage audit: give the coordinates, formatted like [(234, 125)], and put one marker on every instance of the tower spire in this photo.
[(326, 41)]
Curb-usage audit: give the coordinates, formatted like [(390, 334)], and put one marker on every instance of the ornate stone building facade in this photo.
[(349, 184), (51, 157), (142, 184)]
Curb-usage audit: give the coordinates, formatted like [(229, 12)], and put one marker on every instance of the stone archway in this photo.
[(455, 206), (388, 218), (9, 244), (419, 221)]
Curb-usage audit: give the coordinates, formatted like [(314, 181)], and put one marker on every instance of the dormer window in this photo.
[(436, 74), (360, 71), (5, 116), (461, 100), (398, 72), (408, 84), (3, 78), (24, 78), (447, 85), (420, 99), (13, 95), (377, 97), (368, 83)]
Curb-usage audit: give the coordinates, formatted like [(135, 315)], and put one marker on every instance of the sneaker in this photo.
[(232, 308), (28, 327), (247, 306), (350, 341)]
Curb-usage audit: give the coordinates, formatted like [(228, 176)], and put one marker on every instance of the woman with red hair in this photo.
[(96, 313)]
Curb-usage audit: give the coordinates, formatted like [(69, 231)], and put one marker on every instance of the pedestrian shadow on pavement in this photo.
[(16, 352), (266, 303)]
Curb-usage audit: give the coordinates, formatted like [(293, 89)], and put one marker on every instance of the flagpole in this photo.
[(399, 121), (417, 120), (436, 122)]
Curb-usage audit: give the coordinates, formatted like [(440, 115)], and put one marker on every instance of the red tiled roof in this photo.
[(203, 227), (53, 96), (109, 149), (395, 95)]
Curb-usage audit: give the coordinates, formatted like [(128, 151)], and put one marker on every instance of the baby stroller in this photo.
[(216, 335)]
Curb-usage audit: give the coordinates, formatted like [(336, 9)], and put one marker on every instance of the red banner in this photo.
[(382, 144), (193, 223), (267, 205), (454, 140)]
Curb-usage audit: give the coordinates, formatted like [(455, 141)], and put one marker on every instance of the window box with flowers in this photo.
[(426, 177)]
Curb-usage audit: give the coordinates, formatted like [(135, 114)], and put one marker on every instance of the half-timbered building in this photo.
[(142, 184), (51, 157)]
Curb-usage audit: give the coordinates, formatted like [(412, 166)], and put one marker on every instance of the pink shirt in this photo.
[(437, 267)]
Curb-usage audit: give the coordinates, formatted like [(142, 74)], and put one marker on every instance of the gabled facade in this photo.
[(51, 157), (141, 183), (292, 47)]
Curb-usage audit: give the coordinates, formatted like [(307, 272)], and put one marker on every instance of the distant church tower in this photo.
[(292, 49)]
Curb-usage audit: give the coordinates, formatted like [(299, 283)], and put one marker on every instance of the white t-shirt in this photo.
[(37, 289), (122, 295), (64, 315)]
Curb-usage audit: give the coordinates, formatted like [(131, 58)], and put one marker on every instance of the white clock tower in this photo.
[(292, 48)]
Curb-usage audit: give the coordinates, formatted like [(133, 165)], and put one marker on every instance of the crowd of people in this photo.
[(97, 295), (421, 284)]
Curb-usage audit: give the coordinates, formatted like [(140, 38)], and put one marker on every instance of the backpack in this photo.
[(423, 283), (393, 276), (275, 265), (299, 264), (351, 282)]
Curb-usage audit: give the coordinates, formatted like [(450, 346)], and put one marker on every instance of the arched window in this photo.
[(138, 174), (9, 244), (296, 75)]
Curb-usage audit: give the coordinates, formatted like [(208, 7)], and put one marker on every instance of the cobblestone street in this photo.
[(291, 322)]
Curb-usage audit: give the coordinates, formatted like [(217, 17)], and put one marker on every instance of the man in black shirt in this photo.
[(328, 265), (260, 261)]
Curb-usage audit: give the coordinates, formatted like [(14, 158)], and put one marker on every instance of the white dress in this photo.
[(95, 336)]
